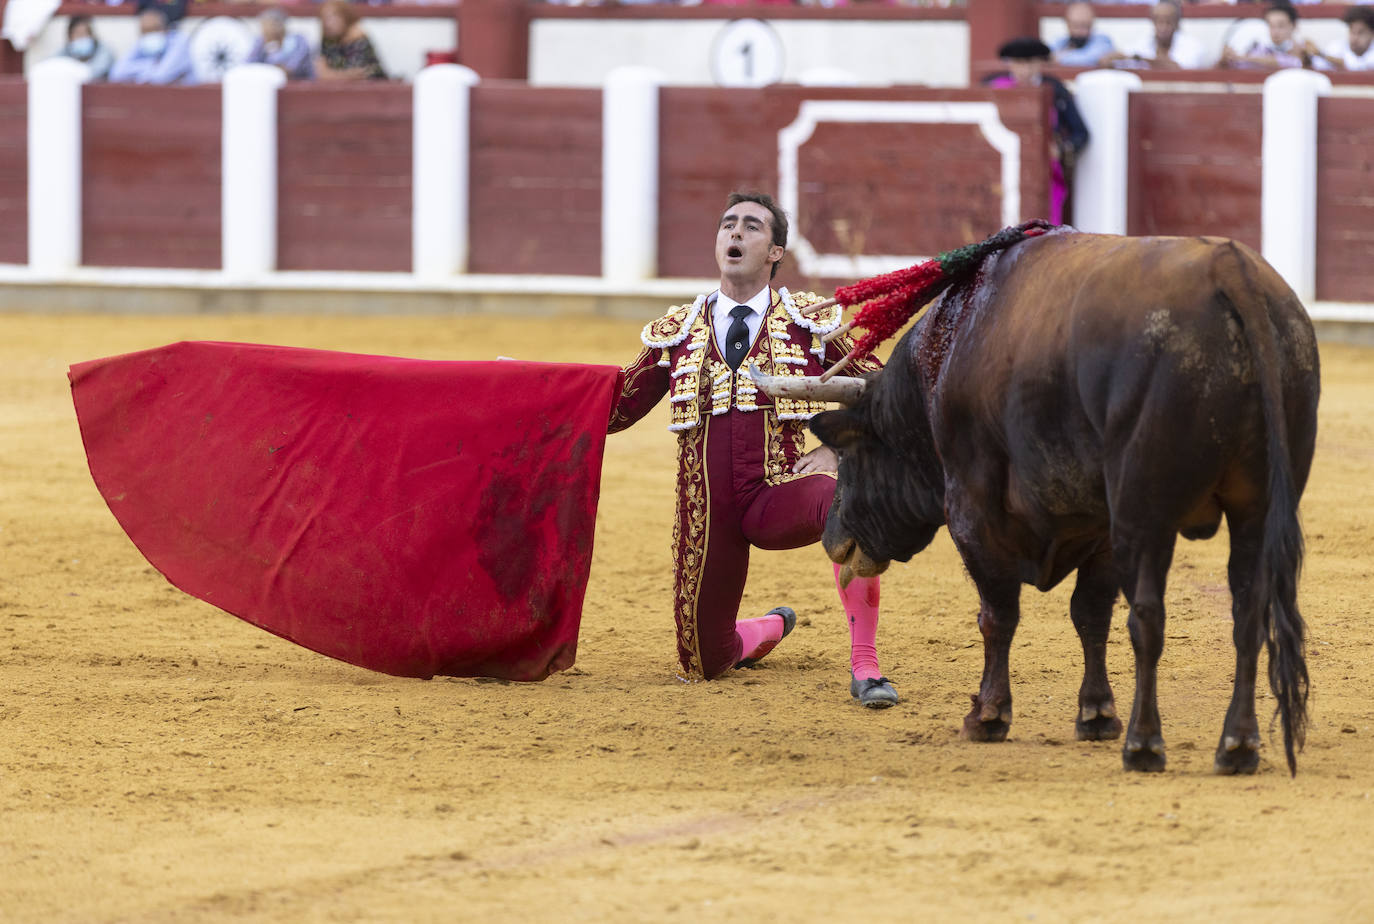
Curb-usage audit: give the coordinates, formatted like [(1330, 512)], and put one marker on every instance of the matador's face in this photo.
[(744, 242)]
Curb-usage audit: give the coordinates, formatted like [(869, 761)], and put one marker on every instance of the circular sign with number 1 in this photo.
[(747, 53)]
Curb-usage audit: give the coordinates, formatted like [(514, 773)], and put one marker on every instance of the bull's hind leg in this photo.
[(998, 615), (1091, 610), (1142, 563), (1238, 750)]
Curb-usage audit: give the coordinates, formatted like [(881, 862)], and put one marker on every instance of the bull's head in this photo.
[(889, 502)]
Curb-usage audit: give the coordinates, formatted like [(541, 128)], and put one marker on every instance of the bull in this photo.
[(1075, 402)]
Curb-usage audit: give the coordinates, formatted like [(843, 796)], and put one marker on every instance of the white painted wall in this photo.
[(566, 52)]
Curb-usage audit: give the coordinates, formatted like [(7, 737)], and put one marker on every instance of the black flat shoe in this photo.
[(875, 692)]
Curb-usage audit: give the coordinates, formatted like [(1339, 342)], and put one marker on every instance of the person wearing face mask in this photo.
[(83, 46), (161, 55), (286, 50), (1083, 46)]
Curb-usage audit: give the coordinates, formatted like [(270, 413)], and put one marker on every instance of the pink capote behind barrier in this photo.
[(408, 516)]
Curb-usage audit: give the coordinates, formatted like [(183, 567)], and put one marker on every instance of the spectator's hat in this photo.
[(1024, 49)]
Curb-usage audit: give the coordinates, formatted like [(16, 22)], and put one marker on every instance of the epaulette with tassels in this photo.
[(888, 301)]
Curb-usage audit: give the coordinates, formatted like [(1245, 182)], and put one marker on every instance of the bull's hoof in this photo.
[(1143, 756), (1236, 755), (1097, 723), (987, 723)]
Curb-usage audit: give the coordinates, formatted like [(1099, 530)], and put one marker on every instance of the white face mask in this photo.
[(83, 46), (152, 43)]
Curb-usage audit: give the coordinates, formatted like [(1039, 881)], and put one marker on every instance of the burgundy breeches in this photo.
[(726, 505)]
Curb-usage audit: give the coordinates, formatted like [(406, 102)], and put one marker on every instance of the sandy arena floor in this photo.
[(163, 761)]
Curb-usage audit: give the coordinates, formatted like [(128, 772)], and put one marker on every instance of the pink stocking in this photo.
[(860, 601), (758, 636)]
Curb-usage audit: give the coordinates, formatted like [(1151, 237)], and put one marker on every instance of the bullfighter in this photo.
[(743, 476)]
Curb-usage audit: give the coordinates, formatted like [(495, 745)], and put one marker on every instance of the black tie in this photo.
[(737, 337)]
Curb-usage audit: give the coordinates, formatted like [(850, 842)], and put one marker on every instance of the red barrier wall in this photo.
[(886, 188), (1195, 165), (152, 176), (1345, 199), (535, 184), (14, 172), (344, 165)]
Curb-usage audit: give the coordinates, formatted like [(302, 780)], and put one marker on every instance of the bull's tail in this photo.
[(890, 300), (1280, 560)]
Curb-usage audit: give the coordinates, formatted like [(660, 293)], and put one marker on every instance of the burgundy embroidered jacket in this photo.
[(681, 358)]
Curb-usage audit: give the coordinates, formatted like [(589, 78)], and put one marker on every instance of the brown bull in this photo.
[(1076, 402)]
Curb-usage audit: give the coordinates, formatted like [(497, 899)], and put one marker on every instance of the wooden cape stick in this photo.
[(830, 373), (838, 332), (816, 308)]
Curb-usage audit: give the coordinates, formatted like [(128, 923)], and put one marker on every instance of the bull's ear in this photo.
[(840, 429)]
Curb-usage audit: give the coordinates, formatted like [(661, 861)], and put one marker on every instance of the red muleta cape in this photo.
[(407, 516)]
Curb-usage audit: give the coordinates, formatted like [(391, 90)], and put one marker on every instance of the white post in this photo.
[(248, 175), (1101, 177), (439, 175), (629, 174), (1288, 185), (55, 165)]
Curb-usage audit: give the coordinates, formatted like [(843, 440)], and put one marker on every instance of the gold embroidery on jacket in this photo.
[(687, 376), (689, 544), (671, 329), (719, 377), (701, 386), (630, 386), (782, 436)]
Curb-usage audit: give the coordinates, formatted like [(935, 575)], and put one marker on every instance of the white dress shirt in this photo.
[(1185, 51), (1340, 50), (721, 320)]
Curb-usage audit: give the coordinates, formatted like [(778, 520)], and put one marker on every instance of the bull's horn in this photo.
[(843, 389)]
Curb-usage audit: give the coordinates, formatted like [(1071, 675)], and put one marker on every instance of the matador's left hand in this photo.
[(820, 459)]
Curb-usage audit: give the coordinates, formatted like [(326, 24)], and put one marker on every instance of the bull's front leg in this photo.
[(990, 718)]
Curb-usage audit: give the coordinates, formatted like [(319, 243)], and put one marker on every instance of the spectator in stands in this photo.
[(286, 50), (162, 55), (175, 10), (346, 52), (83, 46), (1025, 59), (1355, 52), (1166, 48), (1082, 47), (1283, 49)]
